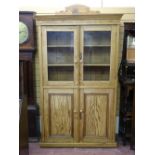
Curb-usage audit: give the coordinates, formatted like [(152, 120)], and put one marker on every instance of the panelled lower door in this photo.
[(97, 115), (59, 115)]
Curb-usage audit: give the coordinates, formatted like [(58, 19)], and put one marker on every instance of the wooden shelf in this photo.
[(97, 65), (60, 46), (97, 45), (60, 65)]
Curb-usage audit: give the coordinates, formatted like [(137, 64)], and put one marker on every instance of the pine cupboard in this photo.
[(78, 71)]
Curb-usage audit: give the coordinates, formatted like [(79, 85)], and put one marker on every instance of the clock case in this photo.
[(27, 17), (26, 82)]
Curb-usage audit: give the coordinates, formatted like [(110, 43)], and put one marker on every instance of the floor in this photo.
[(34, 149)]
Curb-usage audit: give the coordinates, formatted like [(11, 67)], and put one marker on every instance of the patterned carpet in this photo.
[(34, 149)]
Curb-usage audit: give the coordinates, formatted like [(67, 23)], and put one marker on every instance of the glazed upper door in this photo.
[(96, 54), (60, 54)]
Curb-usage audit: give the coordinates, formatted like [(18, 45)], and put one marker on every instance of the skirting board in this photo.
[(80, 145)]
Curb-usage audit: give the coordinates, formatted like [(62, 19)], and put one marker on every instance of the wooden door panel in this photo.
[(95, 114), (98, 114), (58, 115)]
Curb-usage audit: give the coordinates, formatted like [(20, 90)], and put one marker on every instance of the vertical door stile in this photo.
[(76, 85), (46, 114), (82, 114), (76, 115), (113, 54), (76, 56), (81, 98), (81, 54), (44, 56)]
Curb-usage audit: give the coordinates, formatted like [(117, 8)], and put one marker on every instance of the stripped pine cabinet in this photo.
[(78, 71)]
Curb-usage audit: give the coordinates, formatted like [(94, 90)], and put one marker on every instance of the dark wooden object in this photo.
[(26, 54), (23, 127), (27, 17), (127, 84)]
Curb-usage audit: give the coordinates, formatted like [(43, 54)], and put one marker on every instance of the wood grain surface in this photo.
[(60, 115), (95, 107)]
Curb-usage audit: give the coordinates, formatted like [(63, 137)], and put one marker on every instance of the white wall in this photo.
[(42, 6)]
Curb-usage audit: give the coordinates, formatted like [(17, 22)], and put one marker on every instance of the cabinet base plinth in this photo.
[(80, 145)]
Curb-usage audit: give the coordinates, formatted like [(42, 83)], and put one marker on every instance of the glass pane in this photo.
[(97, 38), (96, 55), (60, 55), (97, 48), (60, 73), (60, 38), (94, 73)]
